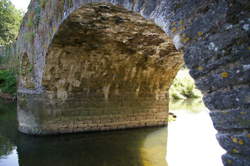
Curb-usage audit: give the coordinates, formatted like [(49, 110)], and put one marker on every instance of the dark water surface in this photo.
[(191, 142), (138, 147)]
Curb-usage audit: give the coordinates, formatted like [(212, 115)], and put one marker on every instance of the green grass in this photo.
[(7, 82), (183, 87)]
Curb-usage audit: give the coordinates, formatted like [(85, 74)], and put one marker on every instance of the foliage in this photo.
[(5, 146), (10, 22), (190, 105), (10, 59), (7, 82), (183, 87)]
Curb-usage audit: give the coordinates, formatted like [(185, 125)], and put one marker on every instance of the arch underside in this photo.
[(106, 68)]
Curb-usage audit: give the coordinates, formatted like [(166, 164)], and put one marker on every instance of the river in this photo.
[(191, 142)]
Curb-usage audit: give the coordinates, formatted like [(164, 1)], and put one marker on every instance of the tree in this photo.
[(10, 20)]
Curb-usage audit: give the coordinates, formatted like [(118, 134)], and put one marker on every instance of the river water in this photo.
[(191, 142)]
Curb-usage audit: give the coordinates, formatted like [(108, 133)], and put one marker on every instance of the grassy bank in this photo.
[(183, 87)]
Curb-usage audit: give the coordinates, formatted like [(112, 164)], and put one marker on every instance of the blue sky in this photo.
[(21, 4)]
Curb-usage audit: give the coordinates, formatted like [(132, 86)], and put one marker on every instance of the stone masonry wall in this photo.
[(89, 113), (110, 72), (213, 35)]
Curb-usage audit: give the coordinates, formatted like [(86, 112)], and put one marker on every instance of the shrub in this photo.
[(7, 82), (183, 87)]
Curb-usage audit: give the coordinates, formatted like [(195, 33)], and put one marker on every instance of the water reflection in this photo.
[(6, 147), (188, 105), (191, 141), (139, 147), (192, 136)]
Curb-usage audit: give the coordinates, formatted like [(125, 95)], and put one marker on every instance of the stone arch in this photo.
[(214, 37), (110, 72), (118, 50)]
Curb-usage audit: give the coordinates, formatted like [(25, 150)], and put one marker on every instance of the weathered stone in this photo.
[(100, 61), (127, 62)]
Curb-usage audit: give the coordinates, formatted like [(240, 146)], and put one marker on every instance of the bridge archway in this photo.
[(214, 40), (108, 68)]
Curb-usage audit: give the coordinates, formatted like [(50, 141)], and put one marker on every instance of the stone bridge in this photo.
[(108, 64)]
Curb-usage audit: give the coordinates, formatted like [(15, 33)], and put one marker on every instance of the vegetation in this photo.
[(7, 82), (9, 60), (10, 21), (5, 146), (190, 105), (184, 95), (183, 87), (9, 26)]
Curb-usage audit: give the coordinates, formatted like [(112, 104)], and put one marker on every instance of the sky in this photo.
[(21, 4)]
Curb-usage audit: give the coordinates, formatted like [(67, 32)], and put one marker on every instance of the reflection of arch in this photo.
[(214, 36), (123, 148)]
